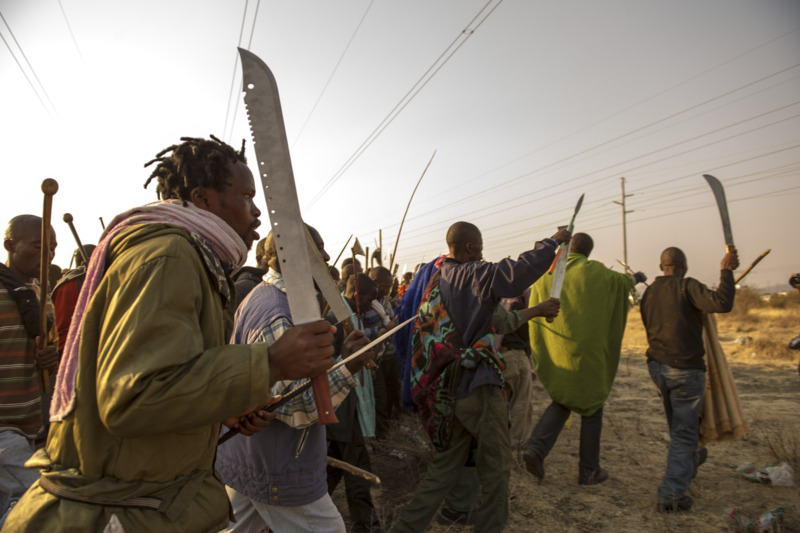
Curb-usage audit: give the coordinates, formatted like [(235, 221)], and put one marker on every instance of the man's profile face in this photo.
[(234, 204), (317, 238)]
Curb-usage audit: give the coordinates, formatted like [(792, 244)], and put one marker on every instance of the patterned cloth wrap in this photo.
[(436, 346)]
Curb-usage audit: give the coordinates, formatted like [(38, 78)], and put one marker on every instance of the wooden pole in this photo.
[(49, 188), (397, 240)]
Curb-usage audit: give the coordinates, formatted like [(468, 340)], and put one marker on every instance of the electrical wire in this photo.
[(249, 45), (71, 34), (333, 72), (233, 76), (437, 65), (33, 71)]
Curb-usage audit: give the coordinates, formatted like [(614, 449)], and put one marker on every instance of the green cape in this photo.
[(577, 355)]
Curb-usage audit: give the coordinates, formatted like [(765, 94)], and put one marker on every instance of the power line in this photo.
[(645, 100), (249, 45), (522, 199), (333, 72), (71, 34), (41, 85), (233, 77), (585, 151), (437, 65)]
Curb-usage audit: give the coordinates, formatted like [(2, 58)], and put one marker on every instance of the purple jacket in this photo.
[(472, 291)]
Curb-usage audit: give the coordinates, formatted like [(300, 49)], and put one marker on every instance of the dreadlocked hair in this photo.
[(196, 162)]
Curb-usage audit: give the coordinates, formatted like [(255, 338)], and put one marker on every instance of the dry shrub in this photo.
[(772, 349), (746, 300), (784, 300)]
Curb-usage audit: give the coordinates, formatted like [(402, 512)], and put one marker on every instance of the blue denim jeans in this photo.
[(14, 477), (682, 392)]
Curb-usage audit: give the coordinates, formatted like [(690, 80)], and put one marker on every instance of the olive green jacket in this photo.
[(155, 379)]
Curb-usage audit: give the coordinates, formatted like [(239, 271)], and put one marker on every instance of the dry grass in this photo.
[(634, 448)]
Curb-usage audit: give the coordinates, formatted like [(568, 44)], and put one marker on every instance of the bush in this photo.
[(746, 299), (784, 300)]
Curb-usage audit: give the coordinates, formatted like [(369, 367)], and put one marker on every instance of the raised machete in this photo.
[(722, 205), (264, 113), (563, 253)]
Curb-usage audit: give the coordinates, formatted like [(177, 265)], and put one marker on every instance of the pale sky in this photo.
[(527, 104)]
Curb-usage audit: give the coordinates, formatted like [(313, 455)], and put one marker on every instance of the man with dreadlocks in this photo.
[(146, 376)]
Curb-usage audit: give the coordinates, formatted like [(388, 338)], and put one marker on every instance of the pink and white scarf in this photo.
[(225, 242)]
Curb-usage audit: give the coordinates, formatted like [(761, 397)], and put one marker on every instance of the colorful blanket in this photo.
[(437, 357)]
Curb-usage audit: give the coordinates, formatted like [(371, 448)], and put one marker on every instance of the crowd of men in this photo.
[(163, 345)]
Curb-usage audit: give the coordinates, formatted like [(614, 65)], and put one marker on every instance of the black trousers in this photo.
[(359, 500), (549, 428)]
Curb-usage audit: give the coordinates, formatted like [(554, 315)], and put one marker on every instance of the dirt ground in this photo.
[(634, 447)]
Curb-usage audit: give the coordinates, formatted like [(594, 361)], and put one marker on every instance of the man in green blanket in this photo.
[(576, 356)]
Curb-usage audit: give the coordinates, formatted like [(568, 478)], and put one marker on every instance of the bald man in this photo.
[(457, 376), (672, 309)]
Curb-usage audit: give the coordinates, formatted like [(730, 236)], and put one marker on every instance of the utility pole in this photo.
[(624, 223)]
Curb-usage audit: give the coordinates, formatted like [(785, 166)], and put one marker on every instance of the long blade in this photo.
[(263, 106), (561, 261), (328, 288), (560, 272), (264, 113), (722, 205)]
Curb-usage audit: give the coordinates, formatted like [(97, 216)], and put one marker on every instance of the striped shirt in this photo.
[(20, 382), (301, 412)]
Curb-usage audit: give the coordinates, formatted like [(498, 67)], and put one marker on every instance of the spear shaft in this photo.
[(343, 249), (397, 240), (754, 263)]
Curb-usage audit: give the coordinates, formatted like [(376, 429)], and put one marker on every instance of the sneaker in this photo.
[(700, 456), (593, 478), (675, 506), (448, 517), (534, 465)]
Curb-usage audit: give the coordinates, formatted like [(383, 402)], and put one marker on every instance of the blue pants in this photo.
[(682, 392)]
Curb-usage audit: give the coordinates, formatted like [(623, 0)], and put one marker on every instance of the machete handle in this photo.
[(729, 248), (322, 399)]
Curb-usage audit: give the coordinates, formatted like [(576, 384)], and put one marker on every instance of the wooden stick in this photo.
[(754, 263), (296, 391), (343, 249), (354, 470), (68, 220), (49, 188), (403, 221)]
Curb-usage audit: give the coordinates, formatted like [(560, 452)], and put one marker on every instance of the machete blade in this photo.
[(722, 205)]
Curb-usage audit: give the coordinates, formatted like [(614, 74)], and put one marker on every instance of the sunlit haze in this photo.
[(527, 105)]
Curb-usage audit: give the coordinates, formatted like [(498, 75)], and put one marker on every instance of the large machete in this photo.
[(561, 257), (722, 205), (264, 113)]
